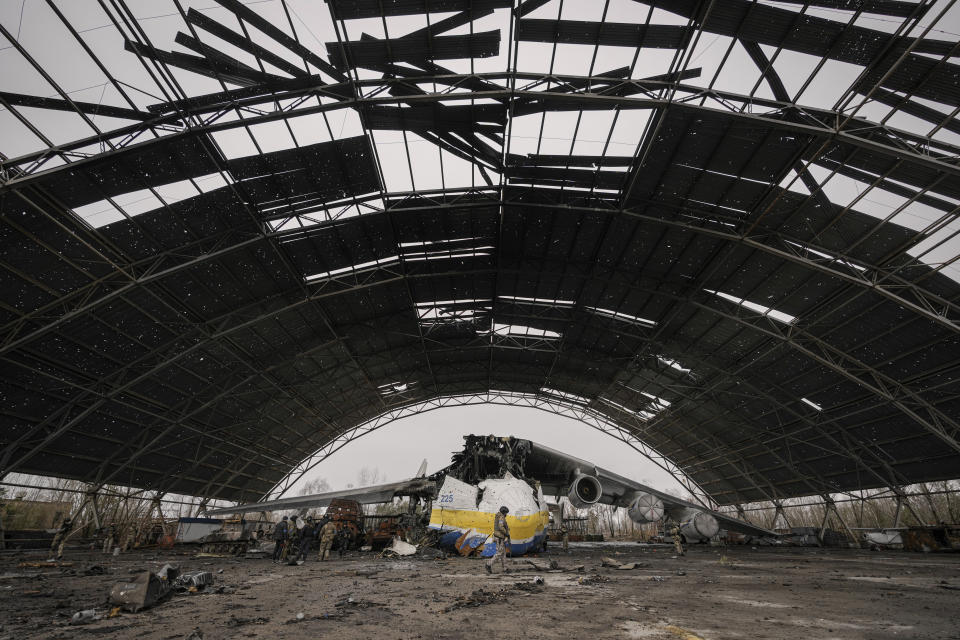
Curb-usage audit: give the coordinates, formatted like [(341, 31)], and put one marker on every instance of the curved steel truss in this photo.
[(725, 231), (555, 406)]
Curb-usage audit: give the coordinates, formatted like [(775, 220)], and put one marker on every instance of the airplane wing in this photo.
[(556, 470), (364, 495)]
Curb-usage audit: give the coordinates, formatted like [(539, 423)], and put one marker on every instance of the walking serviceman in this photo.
[(280, 537), (109, 539), (60, 538), (677, 540), (565, 536), (328, 532), (306, 536), (501, 538), (293, 539)]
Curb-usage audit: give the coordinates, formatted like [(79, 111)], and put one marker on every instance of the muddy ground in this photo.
[(712, 593)]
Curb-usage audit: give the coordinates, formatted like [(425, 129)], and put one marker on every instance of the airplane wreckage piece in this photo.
[(461, 499)]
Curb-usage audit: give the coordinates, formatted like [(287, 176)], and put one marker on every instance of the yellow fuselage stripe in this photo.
[(521, 527)]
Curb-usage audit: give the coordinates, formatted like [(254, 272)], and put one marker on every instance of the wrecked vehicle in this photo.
[(459, 501)]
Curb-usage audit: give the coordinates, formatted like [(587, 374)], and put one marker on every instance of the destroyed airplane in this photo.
[(459, 501)]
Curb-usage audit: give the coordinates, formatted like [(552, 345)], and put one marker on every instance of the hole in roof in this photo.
[(382, 262), (397, 388), (622, 317), (640, 413), (101, 213), (674, 364), (541, 302), (564, 395), (522, 331), (769, 312)]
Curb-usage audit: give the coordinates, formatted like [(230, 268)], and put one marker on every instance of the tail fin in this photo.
[(422, 472)]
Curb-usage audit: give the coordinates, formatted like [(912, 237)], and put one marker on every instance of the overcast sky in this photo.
[(398, 448)]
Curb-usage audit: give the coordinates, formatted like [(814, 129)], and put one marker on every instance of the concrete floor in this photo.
[(712, 593)]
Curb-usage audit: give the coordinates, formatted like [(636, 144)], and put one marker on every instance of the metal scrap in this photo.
[(478, 598)]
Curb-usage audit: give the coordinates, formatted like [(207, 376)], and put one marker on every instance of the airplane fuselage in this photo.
[(464, 514)]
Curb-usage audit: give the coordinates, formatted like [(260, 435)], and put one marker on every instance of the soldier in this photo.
[(328, 531), (60, 538), (306, 536), (565, 536), (501, 538), (280, 537), (342, 541), (109, 539), (293, 538), (677, 540)]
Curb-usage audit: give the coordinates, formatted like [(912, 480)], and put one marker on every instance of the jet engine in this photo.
[(645, 507), (699, 526), (584, 491)]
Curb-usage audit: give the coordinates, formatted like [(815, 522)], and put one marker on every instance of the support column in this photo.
[(778, 514), (832, 507), (92, 499), (741, 513), (823, 525)]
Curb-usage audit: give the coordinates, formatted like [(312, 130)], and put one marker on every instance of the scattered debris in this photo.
[(196, 634), (234, 621), (658, 578), (193, 580), (43, 565), (622, 566), (168, 572), (400, 548), (681, 572), (431, 553), (95, 570), (594, 579), (142, 592), (85, 616), (478, 598), (534, 586)]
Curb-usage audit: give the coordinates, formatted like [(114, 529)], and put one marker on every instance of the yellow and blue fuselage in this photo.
[(527, 532)]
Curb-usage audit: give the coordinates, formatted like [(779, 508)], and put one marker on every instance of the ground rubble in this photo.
[(601, 590)]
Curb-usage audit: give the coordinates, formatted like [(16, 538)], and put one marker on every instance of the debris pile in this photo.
[(537, 586), (478, 598), (625, 566)]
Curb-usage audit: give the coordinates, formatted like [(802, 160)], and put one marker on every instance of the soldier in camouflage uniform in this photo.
[(327, 533), (280, 538), (60, 539), (501, 537), (677, 540)]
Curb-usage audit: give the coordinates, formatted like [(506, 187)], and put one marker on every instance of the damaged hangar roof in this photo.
[(728, 228)]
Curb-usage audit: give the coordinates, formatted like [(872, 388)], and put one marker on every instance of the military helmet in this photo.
[(504, 510)]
